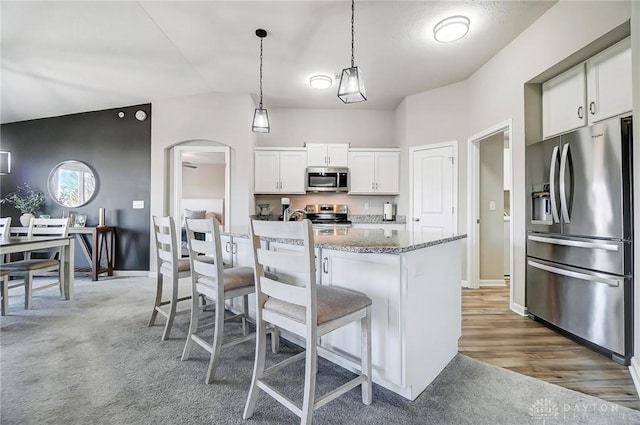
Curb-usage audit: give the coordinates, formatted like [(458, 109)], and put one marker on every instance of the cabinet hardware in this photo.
[(592, 108), (373, 186), (416, 219), (580, 112), (325, 265), (226, 247)]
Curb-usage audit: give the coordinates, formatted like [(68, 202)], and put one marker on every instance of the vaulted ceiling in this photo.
[(61, 57)]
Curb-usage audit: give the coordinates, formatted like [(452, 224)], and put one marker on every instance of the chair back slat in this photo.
[(205, 253), (301, 264), (5, 227), (164, 231), (49, 226)]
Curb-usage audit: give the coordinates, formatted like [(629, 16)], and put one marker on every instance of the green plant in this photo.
[(25, 199)]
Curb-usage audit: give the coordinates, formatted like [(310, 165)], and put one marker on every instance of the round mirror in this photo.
[(72, 184)]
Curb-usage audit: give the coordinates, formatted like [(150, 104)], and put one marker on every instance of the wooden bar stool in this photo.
[(169, 266), (210, 279), (308, 311)]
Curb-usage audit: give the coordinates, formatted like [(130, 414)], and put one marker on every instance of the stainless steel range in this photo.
[(328, 216)]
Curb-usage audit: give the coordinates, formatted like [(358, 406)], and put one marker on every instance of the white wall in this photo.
[(206, 181), (363, 128), (492, 221), (496, 92), (216, 117), (635, 52)]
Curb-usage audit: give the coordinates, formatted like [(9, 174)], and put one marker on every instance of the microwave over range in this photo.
[(327, 179)]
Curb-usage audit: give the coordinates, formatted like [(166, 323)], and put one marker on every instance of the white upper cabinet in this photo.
[(609, 82), (279, 170), (374, 171), (563, 102), (327, 154), (592, 91)]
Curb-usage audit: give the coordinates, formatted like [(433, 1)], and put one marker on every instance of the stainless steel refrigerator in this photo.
[(580, 235)]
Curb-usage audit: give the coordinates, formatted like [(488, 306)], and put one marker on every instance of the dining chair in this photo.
[(171, 267), (305, 309), (5, 227), (213, 281), (30, 267), (4, 292)]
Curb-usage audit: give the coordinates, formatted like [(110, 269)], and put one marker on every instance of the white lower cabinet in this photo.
[(377, 276)]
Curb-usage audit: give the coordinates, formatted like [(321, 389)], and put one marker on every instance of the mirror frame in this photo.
[(59, 166)]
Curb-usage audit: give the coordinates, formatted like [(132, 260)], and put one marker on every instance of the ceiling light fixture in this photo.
[(451, 29), (260, 116), (320, 81), (351, 87)]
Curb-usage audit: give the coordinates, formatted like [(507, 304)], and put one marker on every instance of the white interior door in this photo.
[(434, 190)]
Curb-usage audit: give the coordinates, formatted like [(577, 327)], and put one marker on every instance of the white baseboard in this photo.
[(634, 369), (131, 273), (492, 282), (518, 309), (464, 284)]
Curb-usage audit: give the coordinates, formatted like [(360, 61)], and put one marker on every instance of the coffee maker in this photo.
[(286, 203)]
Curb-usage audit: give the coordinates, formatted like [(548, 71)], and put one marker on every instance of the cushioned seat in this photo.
[(29, 265), (331, 302)]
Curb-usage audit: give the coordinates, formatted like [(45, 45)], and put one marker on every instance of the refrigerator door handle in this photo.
[(576, 275), (577, 244), (552, 185), (563, 190)]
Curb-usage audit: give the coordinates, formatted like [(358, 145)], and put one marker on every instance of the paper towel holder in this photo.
[(387, 212)]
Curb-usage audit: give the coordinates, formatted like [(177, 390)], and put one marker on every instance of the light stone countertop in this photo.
[(377, 219), (372, 241)]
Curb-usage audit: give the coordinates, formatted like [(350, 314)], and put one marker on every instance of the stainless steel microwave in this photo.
[(327, 179)]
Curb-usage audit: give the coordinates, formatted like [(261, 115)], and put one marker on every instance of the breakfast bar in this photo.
[(414, 280)]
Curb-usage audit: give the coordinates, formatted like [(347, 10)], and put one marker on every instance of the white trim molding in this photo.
[(131, 273), (634, 370), (492, 282), (518, 309)]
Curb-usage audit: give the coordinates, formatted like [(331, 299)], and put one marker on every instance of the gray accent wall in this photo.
[(119, 152)]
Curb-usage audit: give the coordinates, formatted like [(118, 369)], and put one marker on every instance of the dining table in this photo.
[(16, 244)]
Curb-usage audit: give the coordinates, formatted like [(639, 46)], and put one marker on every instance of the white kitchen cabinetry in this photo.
[(327, 154), (279, 170), (374, 171), (563, 102), (592, 91), (609, 82)]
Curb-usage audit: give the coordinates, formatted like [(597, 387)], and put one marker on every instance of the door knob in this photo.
[(416, 219)]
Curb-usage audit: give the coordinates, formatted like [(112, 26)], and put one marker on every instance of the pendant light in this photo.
[(260, 116), (351, 87)]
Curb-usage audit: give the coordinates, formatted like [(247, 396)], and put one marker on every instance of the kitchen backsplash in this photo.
[(356, 203)]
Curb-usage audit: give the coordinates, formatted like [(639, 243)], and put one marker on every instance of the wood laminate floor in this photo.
[(494, 334)]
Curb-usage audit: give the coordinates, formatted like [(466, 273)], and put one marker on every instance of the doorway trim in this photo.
[(412, 151), (473, 199), (176, 186)]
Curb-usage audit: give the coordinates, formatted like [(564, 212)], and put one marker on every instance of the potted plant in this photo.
[(26, 200)]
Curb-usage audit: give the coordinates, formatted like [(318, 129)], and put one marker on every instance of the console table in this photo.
[(98, 246)]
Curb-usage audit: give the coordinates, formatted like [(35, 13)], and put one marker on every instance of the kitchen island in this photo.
[(414, 280)]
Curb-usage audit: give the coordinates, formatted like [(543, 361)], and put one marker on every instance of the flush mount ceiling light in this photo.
[(451, 29), (260, 116), (351, 88), (320, 81)]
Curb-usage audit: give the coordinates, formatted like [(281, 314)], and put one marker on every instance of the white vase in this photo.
[(25, 219)]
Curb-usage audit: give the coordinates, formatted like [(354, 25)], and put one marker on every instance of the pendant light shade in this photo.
[(260, 116), (351, 87)]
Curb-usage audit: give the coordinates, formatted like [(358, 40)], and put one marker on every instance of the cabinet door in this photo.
[(361, 172), (338, 154), (266, 172), (387, 167), (377, 276), (317, 154), (609, 82), (293, 166), (564, 102)]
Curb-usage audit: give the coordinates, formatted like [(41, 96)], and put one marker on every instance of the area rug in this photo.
[(93, 360)]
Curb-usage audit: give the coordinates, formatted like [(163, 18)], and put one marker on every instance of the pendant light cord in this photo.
[(352, 15), (261, 73)]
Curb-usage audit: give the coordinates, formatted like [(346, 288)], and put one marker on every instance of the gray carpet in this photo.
[(93, 360)]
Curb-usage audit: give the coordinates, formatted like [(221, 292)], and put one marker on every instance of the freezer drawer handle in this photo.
[(576, 275), (577, 244), (552, 185)]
